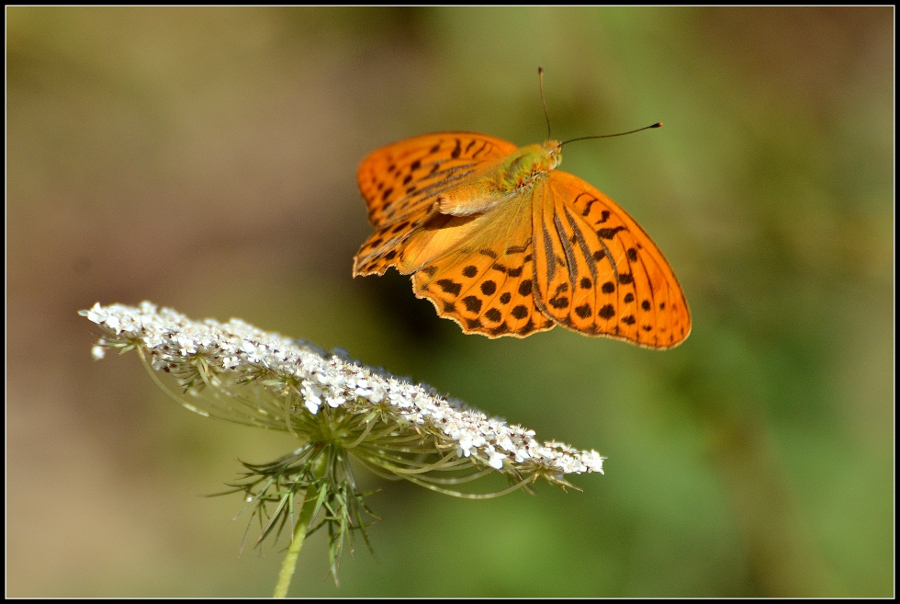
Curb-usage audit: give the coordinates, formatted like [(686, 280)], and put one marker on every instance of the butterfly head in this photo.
[(553, 151), (530, 163)]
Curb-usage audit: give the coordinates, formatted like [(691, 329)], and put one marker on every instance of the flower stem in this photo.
[(290, 558)]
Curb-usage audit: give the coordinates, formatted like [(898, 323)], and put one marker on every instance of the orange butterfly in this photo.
[(505, 245)]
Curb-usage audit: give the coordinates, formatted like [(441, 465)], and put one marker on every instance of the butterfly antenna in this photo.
[(584, 138), (544, 100)]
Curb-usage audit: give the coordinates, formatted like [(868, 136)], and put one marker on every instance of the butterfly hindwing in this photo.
[(384, 247), (486, 282)]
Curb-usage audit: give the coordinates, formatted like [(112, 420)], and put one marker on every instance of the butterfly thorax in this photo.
[(500, 182)]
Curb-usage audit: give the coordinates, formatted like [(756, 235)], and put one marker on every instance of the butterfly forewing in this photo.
[(402, 182), (598, 272), (397, 178)]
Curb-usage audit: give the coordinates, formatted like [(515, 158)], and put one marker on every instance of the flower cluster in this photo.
[(337, 409), (209, 353)]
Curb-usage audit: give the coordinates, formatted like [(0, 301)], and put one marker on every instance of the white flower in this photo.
[(267, 380), (311, 396), (337, 409)]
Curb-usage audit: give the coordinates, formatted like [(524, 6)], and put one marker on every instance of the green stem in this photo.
[(290, 558)]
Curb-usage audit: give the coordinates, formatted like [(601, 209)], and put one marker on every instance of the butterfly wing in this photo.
[(598, 272), (401, 184), (485, 282)]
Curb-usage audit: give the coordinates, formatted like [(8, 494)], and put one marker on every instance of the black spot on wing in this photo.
[(472, 303), (449, 286), (519, 312), (609, 233)]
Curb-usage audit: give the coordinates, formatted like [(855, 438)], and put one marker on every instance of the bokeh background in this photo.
[(205, 159)]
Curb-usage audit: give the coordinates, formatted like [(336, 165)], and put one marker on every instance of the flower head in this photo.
[(336, 408)]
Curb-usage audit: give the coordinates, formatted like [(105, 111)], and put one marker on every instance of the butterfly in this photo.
[(506, 245)]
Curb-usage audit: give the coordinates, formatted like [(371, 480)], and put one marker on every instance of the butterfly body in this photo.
[(504, 244), (500, 182)]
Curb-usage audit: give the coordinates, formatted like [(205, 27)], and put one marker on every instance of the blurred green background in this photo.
[(205, 159)]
